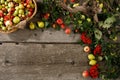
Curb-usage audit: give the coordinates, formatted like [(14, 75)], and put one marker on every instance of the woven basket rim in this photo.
[(16, 28)]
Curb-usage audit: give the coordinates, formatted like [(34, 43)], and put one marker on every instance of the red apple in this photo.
[(59, 21), (72, 0), (7, 17), (68, 31), (87, 49), (85, 73), (1, 13), (62, 26), (8, 23), (30, 13)]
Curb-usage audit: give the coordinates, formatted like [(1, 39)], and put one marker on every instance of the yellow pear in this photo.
[(91, 57), (92, 62)]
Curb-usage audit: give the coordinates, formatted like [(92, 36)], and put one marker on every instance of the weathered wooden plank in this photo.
[(43, 72), (2, 56), (49, 35), (44, 53)]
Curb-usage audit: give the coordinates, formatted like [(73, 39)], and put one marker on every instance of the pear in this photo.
[(32, 26), (91, 57), (92, 62)]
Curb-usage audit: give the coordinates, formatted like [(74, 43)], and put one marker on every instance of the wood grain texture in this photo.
[(47, 36), (35, 54), (43, 72), (42, 55)]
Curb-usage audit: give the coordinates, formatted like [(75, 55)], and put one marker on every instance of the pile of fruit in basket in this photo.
[(14, 11)]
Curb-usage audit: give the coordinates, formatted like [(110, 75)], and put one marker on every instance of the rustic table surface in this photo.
[(41, 55)]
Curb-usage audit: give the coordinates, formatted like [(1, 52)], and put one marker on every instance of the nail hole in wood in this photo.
[(6, 61), (50, 33), (35, 34), (73, 62), (17, 43), (43, 46), (0, 43)]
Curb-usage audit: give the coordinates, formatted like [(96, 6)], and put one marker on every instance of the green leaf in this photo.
[(107, 25), (100, 23), (98, 34), (108, 22)]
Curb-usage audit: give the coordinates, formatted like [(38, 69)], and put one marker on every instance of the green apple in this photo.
[(100, 58), (15, 13), (21, 6), (88, 19), (115, 38), (1, 19), (1, 23), (41, 24), (92, 62), (21, 11), (4, 28), (10, 4), (17, 1), (91, 57), (17, 8), (0, 6), (2, 1), (16, 20), (82, 16)]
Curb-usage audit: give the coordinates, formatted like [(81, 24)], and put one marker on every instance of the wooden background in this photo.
[(41, 55)]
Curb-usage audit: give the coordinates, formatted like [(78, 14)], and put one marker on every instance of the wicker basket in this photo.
[(22, 24)]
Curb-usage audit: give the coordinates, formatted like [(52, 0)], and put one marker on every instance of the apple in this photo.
[(87, 49), (68, 31), (85, 74), (92, 62), (72, 0), (15, 12), (88, 19), (8, 23), (1, 19), (30, 13), (0, 6), (16, 20), (4, 28), (17, 8), (91, 57), (7, 17), (1, 13), (62, 26), (115, 38), (17, 1), (41, 24), (21, 11), (54, 25), (1, 23), (100, 58), (10, 4), (21, 6), (2, 1), (76, 5), (83, 17)]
